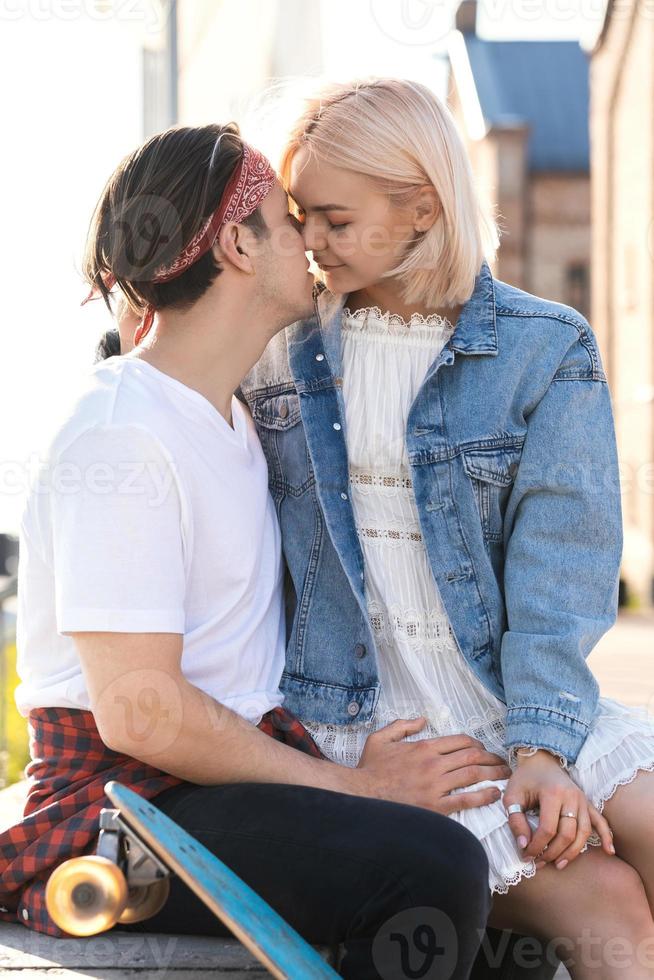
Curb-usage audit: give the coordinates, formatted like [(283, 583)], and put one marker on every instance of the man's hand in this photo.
[(540, 782), (423, 773)]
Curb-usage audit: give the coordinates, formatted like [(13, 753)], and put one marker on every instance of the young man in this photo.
[(152, 626)]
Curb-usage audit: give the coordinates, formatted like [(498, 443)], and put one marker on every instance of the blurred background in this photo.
[(555, 100)]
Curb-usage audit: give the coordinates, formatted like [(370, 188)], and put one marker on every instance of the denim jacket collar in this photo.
[(475, 331)]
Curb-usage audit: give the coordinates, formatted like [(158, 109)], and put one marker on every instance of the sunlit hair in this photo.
[(402, 136)]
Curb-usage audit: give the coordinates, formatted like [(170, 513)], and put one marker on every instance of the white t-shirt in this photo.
[(150, 514)]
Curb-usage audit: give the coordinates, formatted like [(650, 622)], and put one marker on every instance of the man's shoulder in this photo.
[(101, 409)]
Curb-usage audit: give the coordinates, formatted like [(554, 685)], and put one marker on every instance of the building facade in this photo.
[(622, 202), (522, 107)]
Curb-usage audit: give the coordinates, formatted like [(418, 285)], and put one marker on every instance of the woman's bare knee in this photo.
[(596, 891)]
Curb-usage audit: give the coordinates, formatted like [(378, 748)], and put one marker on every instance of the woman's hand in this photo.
[(539, 782)]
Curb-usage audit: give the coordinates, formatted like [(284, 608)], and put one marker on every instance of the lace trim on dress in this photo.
[(394, 323), (391, 535), (603, 798), (410, 624), (366, 481)]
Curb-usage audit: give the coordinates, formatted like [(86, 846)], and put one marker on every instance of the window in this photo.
[(577, 288)]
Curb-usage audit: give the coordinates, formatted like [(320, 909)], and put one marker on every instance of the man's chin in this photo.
[(295, 316), (304, 310)]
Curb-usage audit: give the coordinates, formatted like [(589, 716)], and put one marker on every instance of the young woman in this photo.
[(451, 512)]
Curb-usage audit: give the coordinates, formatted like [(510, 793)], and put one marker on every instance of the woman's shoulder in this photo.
[(545, 324), (511, 301)]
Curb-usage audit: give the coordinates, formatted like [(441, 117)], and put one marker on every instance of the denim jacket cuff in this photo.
[(514, 751), (530, 725)]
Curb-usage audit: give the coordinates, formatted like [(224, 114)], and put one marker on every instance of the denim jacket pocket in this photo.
[(492, 473), (278, 421)]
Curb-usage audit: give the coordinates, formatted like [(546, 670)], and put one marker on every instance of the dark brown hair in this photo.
[(156, 200)]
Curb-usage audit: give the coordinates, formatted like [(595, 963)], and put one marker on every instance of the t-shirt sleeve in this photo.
[(116, 510)]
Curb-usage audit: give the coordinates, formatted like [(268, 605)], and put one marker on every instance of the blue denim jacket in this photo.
[(514, 464)]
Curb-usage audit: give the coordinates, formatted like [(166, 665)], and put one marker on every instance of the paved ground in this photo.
[(117, 955), (623, 662)]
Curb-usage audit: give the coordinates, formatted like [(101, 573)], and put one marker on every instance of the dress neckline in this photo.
[(394, 321)]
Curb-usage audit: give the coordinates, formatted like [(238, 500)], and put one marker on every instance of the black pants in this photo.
[(405, 889)]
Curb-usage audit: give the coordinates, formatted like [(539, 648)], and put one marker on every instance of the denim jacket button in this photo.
[(353, 708), (513, 469), (337, 426), (283, 410), (360, 650), (320, 357)]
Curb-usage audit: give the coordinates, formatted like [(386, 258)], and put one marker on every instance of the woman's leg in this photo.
[(393, 882), (595, 910), (630, 813)]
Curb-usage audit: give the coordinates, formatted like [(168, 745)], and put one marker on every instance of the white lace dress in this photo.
[(421, 669)]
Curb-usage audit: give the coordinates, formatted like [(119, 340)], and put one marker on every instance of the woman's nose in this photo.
[(314, 237)]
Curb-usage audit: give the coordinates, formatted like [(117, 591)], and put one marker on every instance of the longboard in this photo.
[(262, 930)]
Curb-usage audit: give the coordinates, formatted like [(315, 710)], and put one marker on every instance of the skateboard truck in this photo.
[(123, 882)]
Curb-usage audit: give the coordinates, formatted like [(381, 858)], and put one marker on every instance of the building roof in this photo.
[(543, 83)]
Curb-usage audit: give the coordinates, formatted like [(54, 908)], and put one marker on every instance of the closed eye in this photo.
[(295, 222)]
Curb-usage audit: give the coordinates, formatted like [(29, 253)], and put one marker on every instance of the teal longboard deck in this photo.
[(262, 930)]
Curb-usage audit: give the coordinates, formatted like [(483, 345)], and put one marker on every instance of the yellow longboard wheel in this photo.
[(144, 901), (86, 895)]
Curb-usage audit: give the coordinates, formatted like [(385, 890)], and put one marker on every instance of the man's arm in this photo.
[(144, 707)]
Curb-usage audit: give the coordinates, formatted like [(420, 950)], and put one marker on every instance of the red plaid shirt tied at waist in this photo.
[(69, 768)]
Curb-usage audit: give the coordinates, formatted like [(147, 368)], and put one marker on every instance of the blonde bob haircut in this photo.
[(402, 136)]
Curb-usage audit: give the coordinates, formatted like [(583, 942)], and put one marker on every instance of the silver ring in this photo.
[(514, 808), (573, 815)]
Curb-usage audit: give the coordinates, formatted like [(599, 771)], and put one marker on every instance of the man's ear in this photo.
[(426, 208), (233, 246)]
